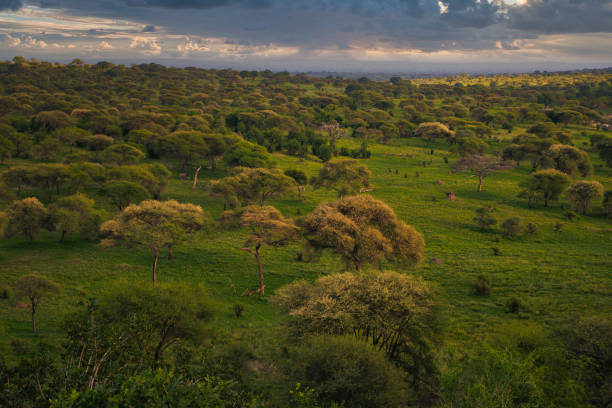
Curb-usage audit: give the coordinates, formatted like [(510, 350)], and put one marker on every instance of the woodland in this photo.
[(186, 237)]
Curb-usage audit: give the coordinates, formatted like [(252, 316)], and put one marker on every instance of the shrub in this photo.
[(483, 218), (607, 203), (6, 292), (513, 227), (482, 286), (238, 310), (513, 305), (345, 369), (532, 228), (571, 215)]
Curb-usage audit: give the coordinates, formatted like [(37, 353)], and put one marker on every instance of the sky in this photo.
[(396, 36)]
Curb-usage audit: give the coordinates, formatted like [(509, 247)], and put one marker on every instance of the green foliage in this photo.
[(246, 154), (346, 370), (26, 217), (567, 159), (482, 286), (363, 230), (484, 219), (513, 227), (345, 176), (583, 194), (123, 193), (544, 185)]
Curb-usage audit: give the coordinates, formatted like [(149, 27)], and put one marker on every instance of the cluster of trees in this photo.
[(96, 162)]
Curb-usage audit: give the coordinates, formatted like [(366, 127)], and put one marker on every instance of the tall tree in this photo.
[(35, 288), (546, 185), (300, 180), (363, 230), (26, 217), (568, 159), (153, 225), (75, 213), (482, 165), (186, 146), (267, 227), (583, 194)]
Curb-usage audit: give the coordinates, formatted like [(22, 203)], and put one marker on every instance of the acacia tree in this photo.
[(568, 159), (35, 288), (26, 217), (393, 312), (346, 176), (582, 194), (300, 180), (268, 227), (363, 230), (546, 185), (431, 131), (253, 185), (122, 154), (123, 193), (186, 146), (75, 213), (153, 225), (482, 165), (129, 324)]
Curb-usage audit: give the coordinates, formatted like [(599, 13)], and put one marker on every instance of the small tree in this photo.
[(122, 154), (123, 193), (431, 131), (247, 154), (483, 218), (75, 213), (482, 165), (300, 180), (346, 176), (268, 227), (513, 227), (153, 225), (26, 217), (583, 194), (186, 146), (35, 288), (70, 135), (363, 230), (568, 159), (546, 185), (604, 147), (253, 185)]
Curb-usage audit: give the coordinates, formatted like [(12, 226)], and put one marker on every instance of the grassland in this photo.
[(553, 274)]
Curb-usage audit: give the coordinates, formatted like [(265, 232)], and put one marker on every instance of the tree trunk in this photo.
[(155, 258), (170, 253), (195, 178), (213, 164), (479, 184), (260, 270), (33, 316), (63, 236), (299, 190)]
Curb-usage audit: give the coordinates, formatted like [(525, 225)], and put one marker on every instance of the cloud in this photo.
[(10, 4), (149, 28), (147, 46), (562, 16)]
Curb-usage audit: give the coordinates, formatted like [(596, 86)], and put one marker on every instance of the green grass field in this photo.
[(553, 274)]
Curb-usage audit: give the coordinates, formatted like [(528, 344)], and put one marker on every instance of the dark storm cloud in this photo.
[(10, 4), (471, 13), (149, 28), (562, 16), (195, 4)]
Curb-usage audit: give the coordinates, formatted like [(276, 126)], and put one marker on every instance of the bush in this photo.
[(583, 194), (483, 218), (513, 227), (513, 305), (238, 310), (570, 215), (532, 228), (607, 203), (345, 369), (6, 292), (482, 286)]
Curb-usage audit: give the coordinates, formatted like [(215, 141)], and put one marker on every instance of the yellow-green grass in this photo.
[(553, 274)]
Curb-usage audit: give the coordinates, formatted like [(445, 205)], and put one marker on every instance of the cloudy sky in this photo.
[(302, 35)]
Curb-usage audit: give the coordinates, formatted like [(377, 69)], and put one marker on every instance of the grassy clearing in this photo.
[(553, 274)]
